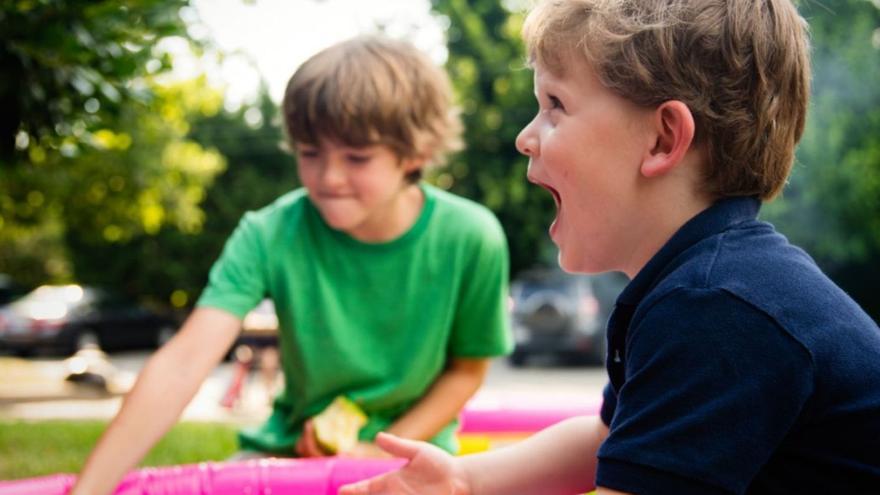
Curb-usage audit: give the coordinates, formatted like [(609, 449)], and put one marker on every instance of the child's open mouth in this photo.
[(556, 198)]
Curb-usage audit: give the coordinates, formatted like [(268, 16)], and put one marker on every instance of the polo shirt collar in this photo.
[(713, 220)]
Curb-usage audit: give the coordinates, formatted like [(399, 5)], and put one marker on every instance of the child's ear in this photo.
[(673, 127), (412, 164)]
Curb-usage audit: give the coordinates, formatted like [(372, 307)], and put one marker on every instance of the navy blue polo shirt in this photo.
[(737, 366)]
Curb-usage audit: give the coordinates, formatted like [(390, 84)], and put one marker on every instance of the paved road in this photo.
[(536, 384)]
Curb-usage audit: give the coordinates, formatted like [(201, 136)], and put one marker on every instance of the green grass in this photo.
[(37, 448)]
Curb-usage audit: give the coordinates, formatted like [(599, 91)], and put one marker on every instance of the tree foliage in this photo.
[(94, 150), (494, 87), (109, 174), (139, 176), (67, 65), (832, 203), (171, 265), (258, 171)]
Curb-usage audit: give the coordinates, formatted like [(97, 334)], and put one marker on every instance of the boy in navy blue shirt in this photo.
[(735, 365)]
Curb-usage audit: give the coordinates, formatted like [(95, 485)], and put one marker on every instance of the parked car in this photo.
[(10, 289), (70, 317), (560, 314)]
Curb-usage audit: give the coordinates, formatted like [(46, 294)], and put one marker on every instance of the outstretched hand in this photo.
[(430, 471)]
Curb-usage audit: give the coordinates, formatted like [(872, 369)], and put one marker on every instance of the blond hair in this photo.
[(741, 66), (372, 90)]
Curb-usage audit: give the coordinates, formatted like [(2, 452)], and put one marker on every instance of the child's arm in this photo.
[(443, 401), (560, 459), (165, 386)]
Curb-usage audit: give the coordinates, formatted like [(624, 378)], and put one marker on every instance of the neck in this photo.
[(660, 223), (666, 203)]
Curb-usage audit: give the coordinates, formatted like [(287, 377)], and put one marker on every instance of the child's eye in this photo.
[(555, 102), (358, 159)]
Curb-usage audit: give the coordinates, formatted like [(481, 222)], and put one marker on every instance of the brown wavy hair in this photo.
[(372, 90), (741, 66)]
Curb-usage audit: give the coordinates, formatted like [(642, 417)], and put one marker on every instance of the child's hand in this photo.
[(430, 471), (307, 446), (365, 450)]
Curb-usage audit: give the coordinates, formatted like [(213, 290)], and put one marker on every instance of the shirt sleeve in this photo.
[(481, 327), (712, 387), (237, 281)]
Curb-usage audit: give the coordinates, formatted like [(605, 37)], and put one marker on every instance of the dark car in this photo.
[(555, 313), (10, 289), (69, 317)]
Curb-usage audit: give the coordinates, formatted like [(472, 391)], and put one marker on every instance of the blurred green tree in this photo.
[(71, 217), (67, 65), (94, 154), (494, 86), (260, 167), (171, 266), (130, 213), (831, 206), (107, 173), (258, 171)]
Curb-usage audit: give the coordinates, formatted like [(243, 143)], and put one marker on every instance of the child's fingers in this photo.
[(398, 447), (300, 448), (364, 450), (366, 487), (310, 444)]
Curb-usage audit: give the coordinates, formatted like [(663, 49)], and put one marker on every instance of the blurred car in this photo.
[(564, 315), (10, 289), (70, 317)]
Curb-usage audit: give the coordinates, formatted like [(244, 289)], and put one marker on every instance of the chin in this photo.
[(568, 265), (339, 221), (345, 227), (578, 264)]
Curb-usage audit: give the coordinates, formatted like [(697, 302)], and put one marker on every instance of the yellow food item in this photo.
[(337, 426)]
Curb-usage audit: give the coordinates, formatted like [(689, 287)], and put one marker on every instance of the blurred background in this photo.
[(135, 133)]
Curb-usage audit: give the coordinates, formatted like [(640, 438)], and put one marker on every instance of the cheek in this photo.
[(306, 174), (364, 180), (377, 180)]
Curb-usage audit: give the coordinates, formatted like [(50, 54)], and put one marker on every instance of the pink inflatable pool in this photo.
[(305, 476), (257, 477), (494, 416)]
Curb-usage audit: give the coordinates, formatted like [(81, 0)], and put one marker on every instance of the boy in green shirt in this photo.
[(388, 291)]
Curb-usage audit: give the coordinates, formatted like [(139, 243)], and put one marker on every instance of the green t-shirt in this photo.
[(374, 322)]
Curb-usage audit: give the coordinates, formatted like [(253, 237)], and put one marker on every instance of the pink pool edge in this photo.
[(323, 476), (254, 477), (490, 418)]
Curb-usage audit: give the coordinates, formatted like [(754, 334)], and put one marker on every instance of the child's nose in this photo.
[(332, 174), (527, 141)]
